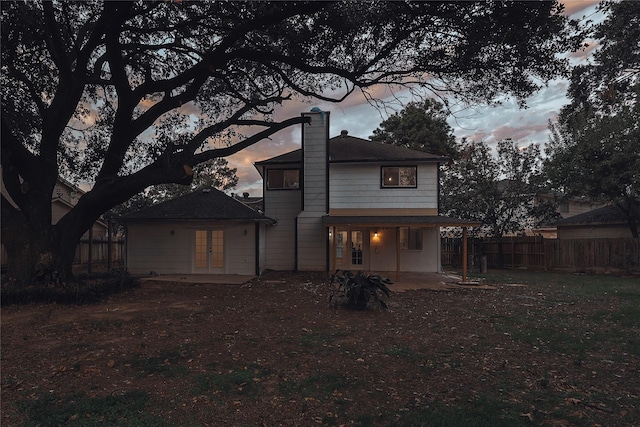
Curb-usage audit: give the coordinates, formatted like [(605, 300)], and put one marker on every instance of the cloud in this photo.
[(573, 7)]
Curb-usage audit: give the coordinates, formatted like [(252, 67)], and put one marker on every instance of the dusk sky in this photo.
[(479, 124)]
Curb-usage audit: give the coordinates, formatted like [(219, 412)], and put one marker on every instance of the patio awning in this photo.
[(398, 221)]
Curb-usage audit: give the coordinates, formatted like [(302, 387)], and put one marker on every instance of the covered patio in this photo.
[(398, 245)]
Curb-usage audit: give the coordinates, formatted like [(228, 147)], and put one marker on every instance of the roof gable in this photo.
[(207, 204)]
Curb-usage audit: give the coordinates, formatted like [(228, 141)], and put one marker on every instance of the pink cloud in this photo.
[(575, 6)]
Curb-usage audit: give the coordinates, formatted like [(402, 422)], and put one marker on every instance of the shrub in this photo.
[(82, 289), (357, 290)]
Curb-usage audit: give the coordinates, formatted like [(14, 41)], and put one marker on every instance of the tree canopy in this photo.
[(593, 149), (128, 94), (498, 191), (420, 126)]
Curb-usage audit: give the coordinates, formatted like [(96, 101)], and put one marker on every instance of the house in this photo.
[(204, 232), (606, 222), (341, 202), (350, 203), (567, 207)]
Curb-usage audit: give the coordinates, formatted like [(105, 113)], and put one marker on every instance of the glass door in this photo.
[(356, 249), (209, 251)]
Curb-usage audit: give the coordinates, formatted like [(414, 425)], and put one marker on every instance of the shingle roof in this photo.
[(348, 149), (606, 215), (209, 204)]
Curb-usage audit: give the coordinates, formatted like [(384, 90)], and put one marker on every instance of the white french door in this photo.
[(209, 251), (350, 249)]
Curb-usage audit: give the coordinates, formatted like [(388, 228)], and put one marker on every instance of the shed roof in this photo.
[(349, 149), (207, 204)]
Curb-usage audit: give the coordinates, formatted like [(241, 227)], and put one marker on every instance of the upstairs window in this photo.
[(283, 179), (564, 207), (399, 177)]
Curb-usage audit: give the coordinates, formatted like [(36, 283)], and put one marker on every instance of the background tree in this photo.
[(213, 173), (594, 146), (420, 126), (129, 94), (500, 192)]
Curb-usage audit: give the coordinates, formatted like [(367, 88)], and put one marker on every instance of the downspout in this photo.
[(257, 247), (295, 265)]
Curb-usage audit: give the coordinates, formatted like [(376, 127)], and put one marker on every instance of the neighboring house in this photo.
[(606, 222), (65, 196), (202, 232), (351, 203), (343, 202), (567, 207)]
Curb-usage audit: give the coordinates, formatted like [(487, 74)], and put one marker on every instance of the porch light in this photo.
[(375, 234)]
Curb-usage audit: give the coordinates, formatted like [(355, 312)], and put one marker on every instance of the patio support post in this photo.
[(397, 253), (464, 254)]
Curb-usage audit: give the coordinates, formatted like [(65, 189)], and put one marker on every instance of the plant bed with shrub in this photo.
[(81, 289), (358, 290)]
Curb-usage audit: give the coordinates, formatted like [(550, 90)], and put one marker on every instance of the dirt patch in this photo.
[(273, 352)]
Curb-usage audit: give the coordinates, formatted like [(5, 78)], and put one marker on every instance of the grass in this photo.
[(620, 296), (321, 386), (81, 410), (232, 382), (603, 311), (169, 364)]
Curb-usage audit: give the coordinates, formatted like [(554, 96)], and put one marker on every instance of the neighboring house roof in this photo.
[(208, 204), (349, 149), (607, 215)]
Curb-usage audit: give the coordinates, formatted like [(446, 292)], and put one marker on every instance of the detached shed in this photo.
[(205, 232)]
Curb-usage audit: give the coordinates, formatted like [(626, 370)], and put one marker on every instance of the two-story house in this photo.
[(350, 203), (341, 202)]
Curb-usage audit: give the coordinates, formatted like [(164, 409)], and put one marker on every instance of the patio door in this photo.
[(209, 251), (350, 250)]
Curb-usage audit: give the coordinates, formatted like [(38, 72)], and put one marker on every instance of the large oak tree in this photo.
[(129, 94)]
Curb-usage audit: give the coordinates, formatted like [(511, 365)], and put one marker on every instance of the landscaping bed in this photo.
[(540, 349)]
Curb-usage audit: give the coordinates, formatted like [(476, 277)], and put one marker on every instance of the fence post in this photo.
[(109, 245), (90, 257)]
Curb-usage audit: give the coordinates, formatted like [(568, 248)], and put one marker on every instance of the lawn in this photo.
[(540, 349)]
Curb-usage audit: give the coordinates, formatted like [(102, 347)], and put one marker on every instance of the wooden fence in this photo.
[(96, 251), (621, 254)]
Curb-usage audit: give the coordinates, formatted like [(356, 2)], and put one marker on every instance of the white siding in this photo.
[(426, 260), (240, 249), (382, 252), (283, 206), (312, 244), (312, 235), (154, 248), (315, 141), (358, 186)]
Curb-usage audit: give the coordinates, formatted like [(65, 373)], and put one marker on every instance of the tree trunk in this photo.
[(38, 252)]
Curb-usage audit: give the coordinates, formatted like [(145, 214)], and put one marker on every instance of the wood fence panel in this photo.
[(538, 253), (99, 252)]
